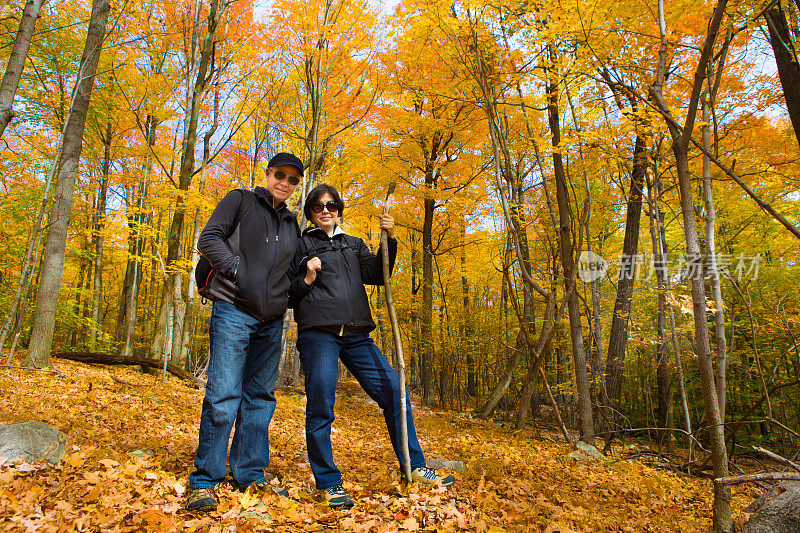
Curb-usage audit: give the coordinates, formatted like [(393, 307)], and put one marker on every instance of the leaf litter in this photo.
[(133, 441)]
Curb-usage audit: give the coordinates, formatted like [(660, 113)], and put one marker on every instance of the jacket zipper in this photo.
[(272, 263), (343, 264)]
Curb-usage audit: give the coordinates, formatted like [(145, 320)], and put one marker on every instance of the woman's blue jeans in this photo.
[(319, 353), (241, 389)]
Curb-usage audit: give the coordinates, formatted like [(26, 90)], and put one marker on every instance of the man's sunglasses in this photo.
[(280, 176), (331, 206)]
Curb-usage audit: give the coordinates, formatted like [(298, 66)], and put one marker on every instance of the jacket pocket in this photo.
[(222, 288)]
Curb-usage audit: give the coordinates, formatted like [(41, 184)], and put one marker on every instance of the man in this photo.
[(250, 288)]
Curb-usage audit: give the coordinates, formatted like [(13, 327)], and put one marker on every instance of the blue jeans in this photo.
[(241, 388), (319, 353)]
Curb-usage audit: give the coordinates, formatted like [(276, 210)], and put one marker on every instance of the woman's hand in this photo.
[(387, 223), (313, 266)]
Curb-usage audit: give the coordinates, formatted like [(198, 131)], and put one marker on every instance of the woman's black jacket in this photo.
[(337, 297)]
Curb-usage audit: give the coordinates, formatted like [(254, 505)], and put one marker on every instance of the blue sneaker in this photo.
[(428, 476)]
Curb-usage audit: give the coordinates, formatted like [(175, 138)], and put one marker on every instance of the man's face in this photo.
[(282, 189)]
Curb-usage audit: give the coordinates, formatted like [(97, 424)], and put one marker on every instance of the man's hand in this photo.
[(387, 223), (313, 266)]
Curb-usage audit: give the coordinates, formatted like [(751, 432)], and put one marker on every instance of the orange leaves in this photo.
[(74, 460), (249, 499), (108, 464), (157, 521), (511, 483)]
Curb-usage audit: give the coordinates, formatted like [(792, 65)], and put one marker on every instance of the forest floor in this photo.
[(133, 438)]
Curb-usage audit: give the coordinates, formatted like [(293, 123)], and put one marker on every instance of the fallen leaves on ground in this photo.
[(133, 440)]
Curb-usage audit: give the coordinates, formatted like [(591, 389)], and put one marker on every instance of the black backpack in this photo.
[(204, 272)]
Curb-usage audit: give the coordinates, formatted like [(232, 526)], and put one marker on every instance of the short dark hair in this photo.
[(318, 191)]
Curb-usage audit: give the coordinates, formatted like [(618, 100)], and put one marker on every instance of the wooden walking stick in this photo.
[(398, 342)]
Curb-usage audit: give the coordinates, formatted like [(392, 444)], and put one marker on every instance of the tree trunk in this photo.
[(663, 369), (568, 266), (466, 316), (16, 61), (681, 139), (26, 274), (55, 247), (151, 293), (516, 229), (535, 368), (172, 275), (426, 324), (191, 305), (485, 410), (618, 336), (295, 365), (284, 366), (129, 319), (787, 63), (561, 396), (315, 81), (190, 309), (97, 236), (722, 497), (127, 281), (77, 329), (159, 344), (112, 359), (660, 243), (598, 368), (178, 310), (481, 69), (714, 279), (182, 304)]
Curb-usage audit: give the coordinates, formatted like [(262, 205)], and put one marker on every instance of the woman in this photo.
[(333, 321)]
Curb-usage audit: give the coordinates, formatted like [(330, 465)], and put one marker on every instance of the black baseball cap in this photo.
[(284, 158)]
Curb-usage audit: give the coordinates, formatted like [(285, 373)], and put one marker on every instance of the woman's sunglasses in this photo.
[(331, 206), (280, 176)]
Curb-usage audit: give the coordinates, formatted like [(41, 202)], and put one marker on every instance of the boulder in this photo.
[(32, 441), (589, 450), (578, 456), (437, 463), (777, 511)]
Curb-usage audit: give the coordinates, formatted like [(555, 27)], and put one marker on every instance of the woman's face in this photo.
[(325, 219)]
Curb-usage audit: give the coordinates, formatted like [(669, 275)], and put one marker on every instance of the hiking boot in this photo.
[(428, 476), (202, 500), (337, 497)]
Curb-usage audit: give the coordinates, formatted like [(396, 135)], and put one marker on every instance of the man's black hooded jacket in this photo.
[(251, 265)]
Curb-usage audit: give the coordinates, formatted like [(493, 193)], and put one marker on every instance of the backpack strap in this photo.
[(311, 250), (344, 243), (246, 201), (330, 246)]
